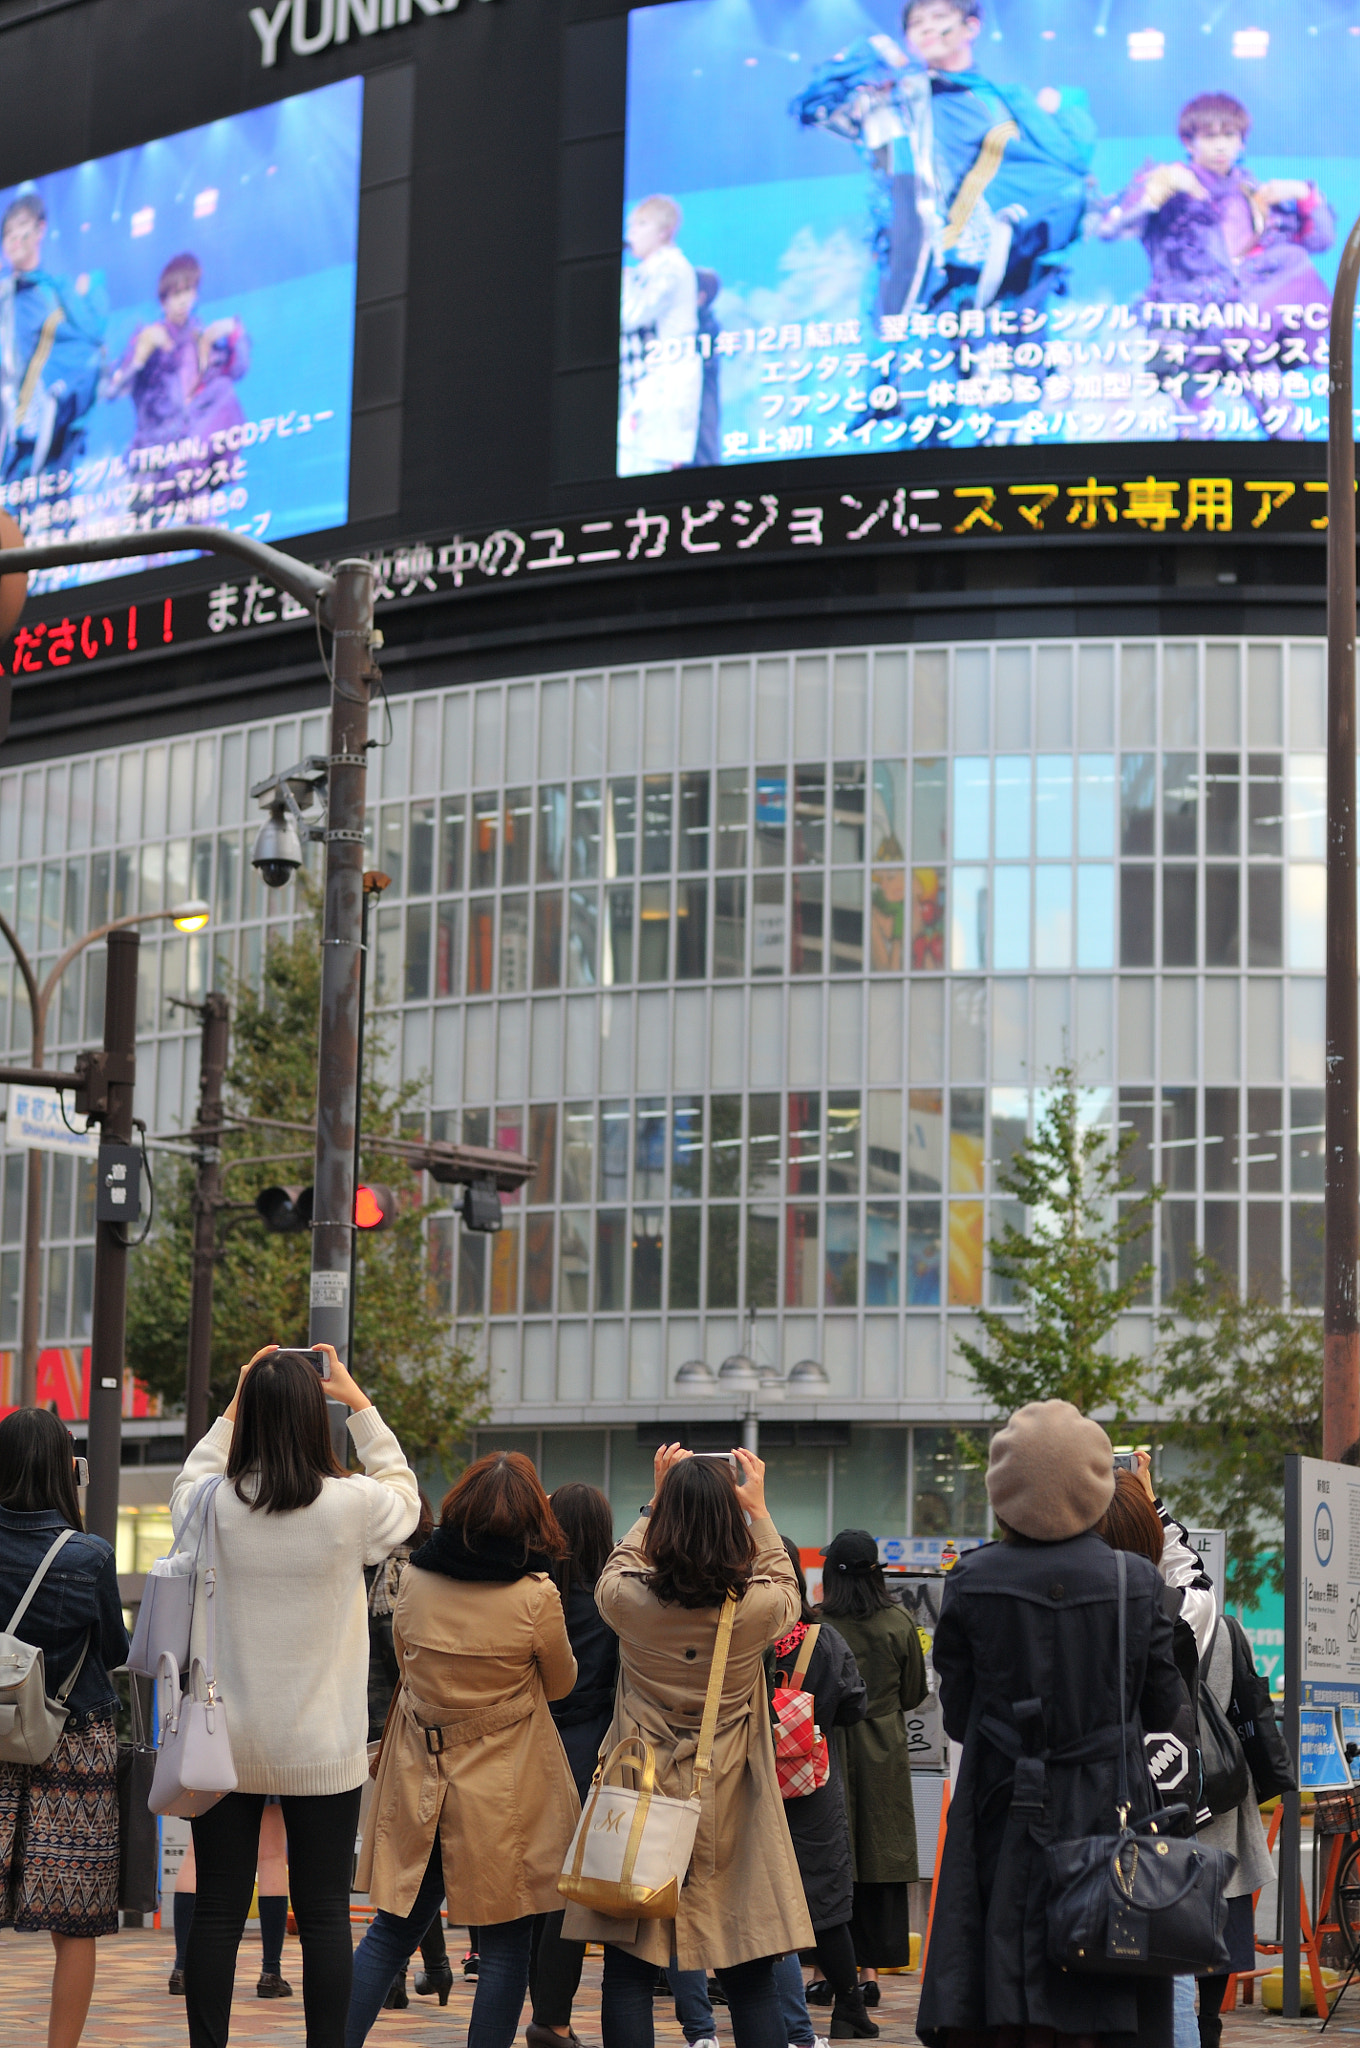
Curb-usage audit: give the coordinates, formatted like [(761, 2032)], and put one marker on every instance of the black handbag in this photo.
[(1143, 1902), (1226, 1777), (1252, 1713), (138, 1833)]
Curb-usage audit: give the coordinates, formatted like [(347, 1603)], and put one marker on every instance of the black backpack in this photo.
[(1252, 1713)]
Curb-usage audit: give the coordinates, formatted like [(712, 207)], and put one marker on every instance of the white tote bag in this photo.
[(194, 1767), (632, 1846), (165, 1618)]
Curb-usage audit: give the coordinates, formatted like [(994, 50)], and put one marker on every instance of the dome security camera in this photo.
[(278, 850)]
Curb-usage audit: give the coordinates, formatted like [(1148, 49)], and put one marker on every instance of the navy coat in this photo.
[(1027, 1652)]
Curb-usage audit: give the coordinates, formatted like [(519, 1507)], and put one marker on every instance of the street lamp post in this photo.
[(753, 1385), (191, 916)]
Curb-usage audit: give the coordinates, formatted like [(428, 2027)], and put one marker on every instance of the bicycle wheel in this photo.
[(1347, 1899)]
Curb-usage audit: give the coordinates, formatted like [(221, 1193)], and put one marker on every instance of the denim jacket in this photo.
[(80, 1592)]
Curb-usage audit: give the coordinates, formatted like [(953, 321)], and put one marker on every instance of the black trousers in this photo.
[(554, 1971), (320, 1861)]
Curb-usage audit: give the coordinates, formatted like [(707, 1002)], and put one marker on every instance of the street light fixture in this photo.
[(191, 916), (754, 1385)]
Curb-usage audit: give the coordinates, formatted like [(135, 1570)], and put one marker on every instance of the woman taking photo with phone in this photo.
[(473, 1795), (663, 1592), (59, 1819), (293, 1533)]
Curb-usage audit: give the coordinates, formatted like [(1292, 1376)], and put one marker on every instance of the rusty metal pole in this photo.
[(350, 614), (216, 1016), (1341, 1214), (109, 1319)]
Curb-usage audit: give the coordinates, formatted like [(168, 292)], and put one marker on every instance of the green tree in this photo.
[(1243, 1381), (1062, 1268), (426, 1388)]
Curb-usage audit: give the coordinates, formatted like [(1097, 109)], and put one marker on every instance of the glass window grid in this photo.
[(232, 935), (915, 1462)]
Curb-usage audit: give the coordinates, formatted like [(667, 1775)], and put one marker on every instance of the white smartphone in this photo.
[(728, 1458)]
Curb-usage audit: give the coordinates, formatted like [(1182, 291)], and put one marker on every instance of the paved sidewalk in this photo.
[(132, 2010)]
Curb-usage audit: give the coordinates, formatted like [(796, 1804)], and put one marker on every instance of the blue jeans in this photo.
[(502, 1973), (626, 2002), (689, 1988), (1183, 2012), (799, 2031)]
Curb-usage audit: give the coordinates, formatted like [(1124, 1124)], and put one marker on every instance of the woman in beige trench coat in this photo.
[(474, 1799), (662, 1592)]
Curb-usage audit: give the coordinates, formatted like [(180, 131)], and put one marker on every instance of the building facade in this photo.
[(767, 961)]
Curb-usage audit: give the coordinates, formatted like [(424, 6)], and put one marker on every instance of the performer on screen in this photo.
[(181, 376), (1216, 235), (661, 372), (51, 349), (979, 187)]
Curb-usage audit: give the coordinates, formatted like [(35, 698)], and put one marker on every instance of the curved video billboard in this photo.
[(856, 226)]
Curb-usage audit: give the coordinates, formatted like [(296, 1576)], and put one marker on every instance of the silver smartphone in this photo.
[(1126, 1461), (728, 1458)]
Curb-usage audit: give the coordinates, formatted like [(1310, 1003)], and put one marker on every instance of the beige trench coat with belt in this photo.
[(743, 1897), (479, 1664)]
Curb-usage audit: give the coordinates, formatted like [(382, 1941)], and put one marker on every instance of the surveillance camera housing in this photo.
[(278, 850)]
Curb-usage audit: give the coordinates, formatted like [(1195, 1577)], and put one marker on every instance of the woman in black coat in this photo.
[(1027, 1655), (582, 1717), (818, 1826)]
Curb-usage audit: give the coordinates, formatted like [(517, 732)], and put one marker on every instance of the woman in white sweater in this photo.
[(293, 1533)]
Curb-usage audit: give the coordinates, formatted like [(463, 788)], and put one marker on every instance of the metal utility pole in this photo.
[(374, 883), (337, 1084), (109, 1319), (1341, 1212), (215, 1013)]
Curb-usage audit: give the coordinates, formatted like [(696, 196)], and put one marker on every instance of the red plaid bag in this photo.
[(802, 1761)]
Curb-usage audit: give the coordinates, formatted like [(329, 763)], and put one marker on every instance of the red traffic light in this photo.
[(374, 1207)]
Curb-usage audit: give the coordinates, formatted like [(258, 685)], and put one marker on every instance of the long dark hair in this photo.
[(796, 1561), (37, 1466), (282, 1437), (501, 1497), (855, 1593), (587, 1521), (697, 1539)]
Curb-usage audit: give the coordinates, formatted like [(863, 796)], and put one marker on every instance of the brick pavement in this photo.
[(132, 2010)]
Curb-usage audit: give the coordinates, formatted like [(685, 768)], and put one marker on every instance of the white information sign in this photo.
[(1211, 1547), (1328, 1549), (33, 1121)]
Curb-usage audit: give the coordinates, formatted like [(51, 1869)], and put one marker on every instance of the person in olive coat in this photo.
[(875, 1756), (1027, 1652)]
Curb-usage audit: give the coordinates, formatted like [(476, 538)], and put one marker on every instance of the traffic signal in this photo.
[(285, 1209), (289, 1209), (374, 1206)]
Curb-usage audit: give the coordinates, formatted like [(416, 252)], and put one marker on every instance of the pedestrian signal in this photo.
[(374, 1206)]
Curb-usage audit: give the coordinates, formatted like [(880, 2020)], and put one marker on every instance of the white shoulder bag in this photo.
[(165, 1618), (632, 1846), (194, 1767)]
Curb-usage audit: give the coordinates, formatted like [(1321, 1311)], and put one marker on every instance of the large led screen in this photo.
[(855, 226), (177, 332)]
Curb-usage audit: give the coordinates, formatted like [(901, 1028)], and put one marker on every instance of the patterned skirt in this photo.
[(59, 1837)]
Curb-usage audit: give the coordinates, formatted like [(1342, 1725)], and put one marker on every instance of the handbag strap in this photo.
[(703, 1755), (210, 1588), (805, 1650), (39, 1575), (1122, 1574)]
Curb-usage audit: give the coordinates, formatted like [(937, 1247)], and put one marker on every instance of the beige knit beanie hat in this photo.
[(1050, 1474)]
